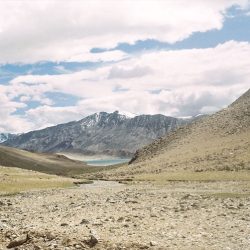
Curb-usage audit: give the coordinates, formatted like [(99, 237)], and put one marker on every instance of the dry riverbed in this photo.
[(103, 215)]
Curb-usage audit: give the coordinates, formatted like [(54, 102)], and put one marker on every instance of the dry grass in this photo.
[(14, 180), (195, 176), (224, 154)]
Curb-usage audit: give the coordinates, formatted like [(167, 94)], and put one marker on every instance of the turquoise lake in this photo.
[(107, 162)]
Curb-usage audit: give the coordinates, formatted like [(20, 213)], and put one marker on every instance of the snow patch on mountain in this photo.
[(6, 136)]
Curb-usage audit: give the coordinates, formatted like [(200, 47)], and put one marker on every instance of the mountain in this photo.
[(100, 133), (46, 163), (216, 142), (6, 136)]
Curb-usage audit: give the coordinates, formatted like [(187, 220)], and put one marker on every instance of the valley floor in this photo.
[(176, 215)]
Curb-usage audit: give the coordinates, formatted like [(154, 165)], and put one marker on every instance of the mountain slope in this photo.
[(6, 136), (220, 141), (46, 163), (102, 133)]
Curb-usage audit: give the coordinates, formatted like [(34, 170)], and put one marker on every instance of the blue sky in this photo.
[(235, 27), (52, 73)]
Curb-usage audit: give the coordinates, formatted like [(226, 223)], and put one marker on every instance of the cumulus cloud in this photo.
[(45, 116), (136, 71), (32, 31), (176, 83), (9, 121)]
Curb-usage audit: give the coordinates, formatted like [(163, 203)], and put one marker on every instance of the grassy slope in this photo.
[(46, 163), (201, 154), (14, 180), (196, 176)]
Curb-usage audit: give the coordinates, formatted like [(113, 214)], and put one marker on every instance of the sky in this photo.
[(63, 60)]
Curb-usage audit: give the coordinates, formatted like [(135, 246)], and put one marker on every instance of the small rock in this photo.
[(97, 224), (131, 201), (18, 242), (153, 243), (50, 236), (77, 246), (153, 215), (120, 219), (37, 247), (66, 242), (84, 221), (94, 239), (110, 200), (186, 196), (54, 246), (64, 224)]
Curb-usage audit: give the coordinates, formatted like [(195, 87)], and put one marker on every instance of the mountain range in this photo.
[(100, 133), (216, 142)]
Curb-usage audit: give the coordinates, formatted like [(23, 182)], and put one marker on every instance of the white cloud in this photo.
[(134, 72), (39, 30), (45, 116), (114, 55), (175, 83), (10, 122)]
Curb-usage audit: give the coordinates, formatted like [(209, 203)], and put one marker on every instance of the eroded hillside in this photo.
[(217, 142)]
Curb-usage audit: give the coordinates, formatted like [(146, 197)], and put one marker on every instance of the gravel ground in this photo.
[(106, 215)]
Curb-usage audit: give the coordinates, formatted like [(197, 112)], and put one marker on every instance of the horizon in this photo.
[(146, 57), (120, 113)]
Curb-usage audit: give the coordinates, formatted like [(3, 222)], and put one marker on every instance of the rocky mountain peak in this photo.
[(103, 119)]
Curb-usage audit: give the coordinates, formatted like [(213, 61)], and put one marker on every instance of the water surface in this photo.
[(106, 162), (96, 160)]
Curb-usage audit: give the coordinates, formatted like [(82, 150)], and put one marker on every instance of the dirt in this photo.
[(109, 215)]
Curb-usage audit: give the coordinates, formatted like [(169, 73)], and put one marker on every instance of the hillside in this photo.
[(217, 142), (100, 133), (46, 163), (15, 180)]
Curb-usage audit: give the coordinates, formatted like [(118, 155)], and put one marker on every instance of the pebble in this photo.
[(153, 243)]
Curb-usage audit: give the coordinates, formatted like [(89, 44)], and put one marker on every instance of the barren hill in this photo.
[(217, 142), (46, 163)]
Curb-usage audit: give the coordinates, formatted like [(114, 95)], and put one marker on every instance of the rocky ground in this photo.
[(106, 215)]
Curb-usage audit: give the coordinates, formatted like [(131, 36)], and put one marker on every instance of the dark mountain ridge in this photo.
[(6, 136), (100, 133)]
